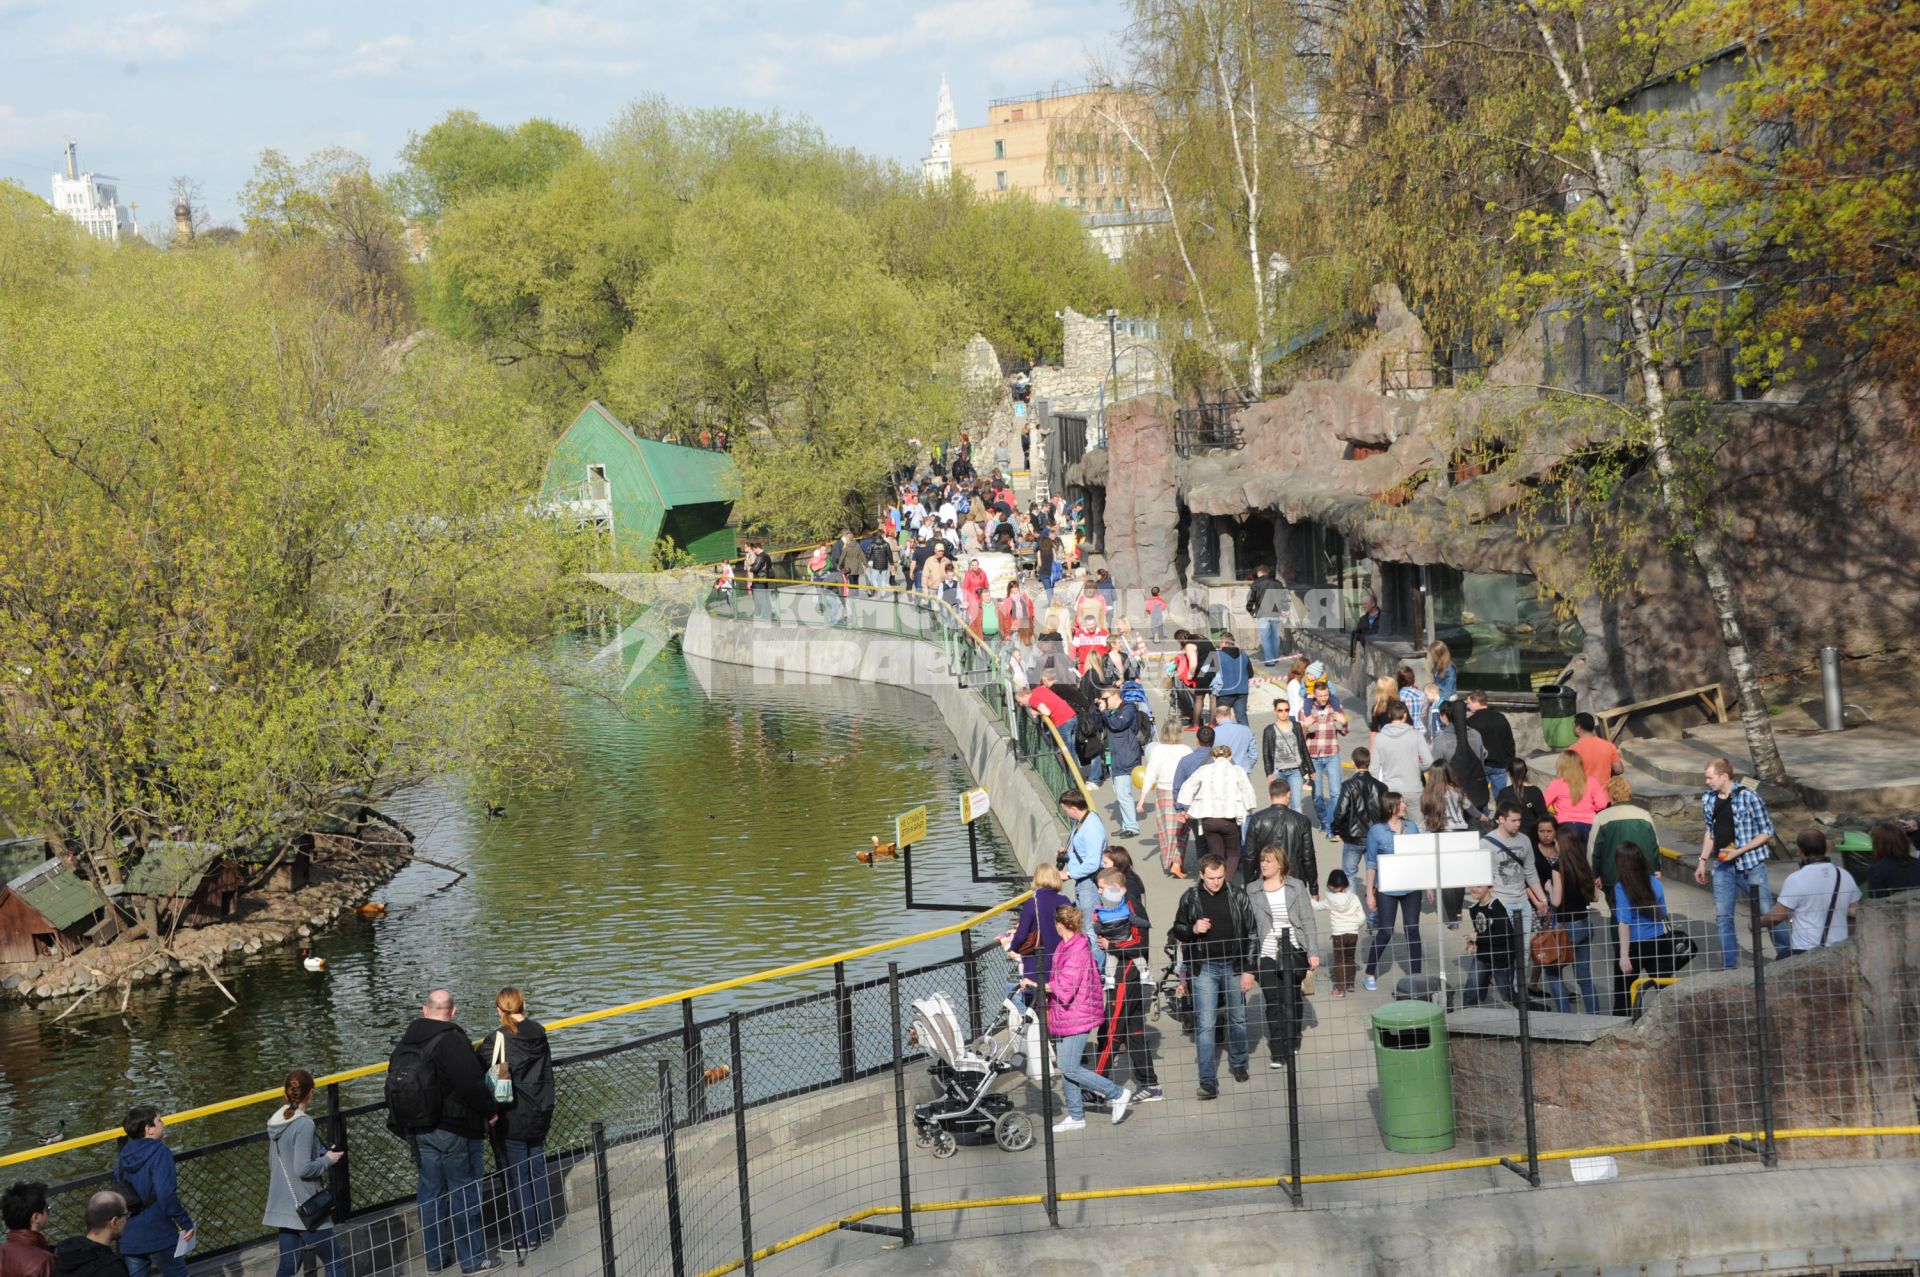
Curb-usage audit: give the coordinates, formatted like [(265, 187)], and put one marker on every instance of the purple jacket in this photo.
[(1037, 916), (1076, 1000)]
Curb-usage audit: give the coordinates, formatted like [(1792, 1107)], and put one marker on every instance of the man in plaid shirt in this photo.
[(1324, 726), (1734, 850)]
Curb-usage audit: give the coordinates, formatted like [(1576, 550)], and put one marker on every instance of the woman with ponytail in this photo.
[(518, 1053), (297, 1165)]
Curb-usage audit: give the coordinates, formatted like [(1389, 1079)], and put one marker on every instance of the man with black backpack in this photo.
[(440, 1102)]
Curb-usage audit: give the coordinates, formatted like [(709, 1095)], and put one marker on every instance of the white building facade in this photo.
[(937, 167), (92, 199)]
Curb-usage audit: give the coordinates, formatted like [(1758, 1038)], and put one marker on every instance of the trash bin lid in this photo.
[(1855, 840), (1409, 1015)]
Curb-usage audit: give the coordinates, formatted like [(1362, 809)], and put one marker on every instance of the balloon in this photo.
[(1139, 777)]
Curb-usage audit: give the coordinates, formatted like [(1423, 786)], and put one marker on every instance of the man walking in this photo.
[(1819, 897), (1621, 821), (1462, 750), (439, 1098), (1236, 736), (94, 1254), (1232, 679), (1355, 815), (1734, 850), (1215, 923), (879, 556), (1325, 726), (1187, 766), (1283, 752), (759, 567), (1516, 879), (1085, 846), (1279, 825), (1125, 749), (1496, 736), (1597, 753), (1266, 603)]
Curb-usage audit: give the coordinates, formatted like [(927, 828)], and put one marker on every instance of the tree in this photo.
[(251, 564), (1637, 242), (333, 228), (776, 316), (463, 156)]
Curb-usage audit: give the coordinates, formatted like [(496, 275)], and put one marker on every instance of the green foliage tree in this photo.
[(334, 230), (463, 156), (251, 561), (776, 316)]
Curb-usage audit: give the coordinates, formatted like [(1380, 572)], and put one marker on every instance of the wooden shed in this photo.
[(46, 912), (196, 882), (602, 475)]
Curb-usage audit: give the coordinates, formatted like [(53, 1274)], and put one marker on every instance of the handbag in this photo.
[(1550, 947), (502, 1078), (314, 1211)]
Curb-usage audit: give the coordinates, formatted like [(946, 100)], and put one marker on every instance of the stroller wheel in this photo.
[(1013, 1131), (944, 1145), (922, 1139)]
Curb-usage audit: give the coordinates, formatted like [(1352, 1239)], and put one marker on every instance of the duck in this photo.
[(310, 962), (881, 850), (371, 909), (717, 1074), (59, 1133), (496, 812)]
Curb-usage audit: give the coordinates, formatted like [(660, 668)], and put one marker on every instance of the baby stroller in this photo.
[(1172, 996), (968, 1108)]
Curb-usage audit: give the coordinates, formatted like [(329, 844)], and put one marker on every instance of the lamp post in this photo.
[(1113, 369)]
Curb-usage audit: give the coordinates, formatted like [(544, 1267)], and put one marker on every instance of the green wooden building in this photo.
[(603, 476)]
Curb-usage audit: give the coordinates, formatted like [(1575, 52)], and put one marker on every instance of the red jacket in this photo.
[(26, 1254)]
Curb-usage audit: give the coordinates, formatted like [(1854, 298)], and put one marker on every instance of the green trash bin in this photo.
[(1557, 708), (1416, 1083)]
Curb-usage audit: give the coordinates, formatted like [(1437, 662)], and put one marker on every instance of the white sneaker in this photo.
[(1120, 1105), (1066, 1124)]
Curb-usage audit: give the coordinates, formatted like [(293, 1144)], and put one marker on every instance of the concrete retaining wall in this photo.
[(786, 654)]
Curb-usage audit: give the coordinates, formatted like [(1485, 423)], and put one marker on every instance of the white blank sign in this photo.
[(1424, 862)]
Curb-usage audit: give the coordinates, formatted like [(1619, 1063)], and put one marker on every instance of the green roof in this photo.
[(62, 896), (680, 475), (172, 868)]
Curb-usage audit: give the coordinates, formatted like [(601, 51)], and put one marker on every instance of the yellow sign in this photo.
[(910, 827), (973, 805), (1543, 678)]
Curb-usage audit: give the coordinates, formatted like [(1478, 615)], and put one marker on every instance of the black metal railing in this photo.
[(1207, 426)]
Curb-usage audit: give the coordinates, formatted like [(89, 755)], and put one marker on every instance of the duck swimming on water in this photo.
[(310, 962)]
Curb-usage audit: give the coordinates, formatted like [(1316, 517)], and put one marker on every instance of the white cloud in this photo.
[(46, 132), (1011, 27), (377, 59), (156, 35), (763, 77)]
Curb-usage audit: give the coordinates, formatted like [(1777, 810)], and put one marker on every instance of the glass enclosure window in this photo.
[(1501, 627)]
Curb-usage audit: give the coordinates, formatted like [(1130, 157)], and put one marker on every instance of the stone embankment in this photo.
[(268, 921)]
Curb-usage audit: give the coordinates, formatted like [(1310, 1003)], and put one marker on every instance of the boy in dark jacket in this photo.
[(1122, 720), (26, 1252), (1490, 946)]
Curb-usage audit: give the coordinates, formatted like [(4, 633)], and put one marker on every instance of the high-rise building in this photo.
[(92, 199)]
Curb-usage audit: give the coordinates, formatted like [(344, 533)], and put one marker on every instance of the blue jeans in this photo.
[(762, 603), (836, 607), (1157, 627), (1235, 701), (1730, 885), (450, 1170), (1580, 931), (296, 1242), (877, 579), (1326, 789), (1497, 780), (162, 1262), (1212, 982), (1296, 781), (1075, 1079), (1123, 793), (1353, 859), (1407, 904), (527, 1191), (1269, 630), (1066, 734)]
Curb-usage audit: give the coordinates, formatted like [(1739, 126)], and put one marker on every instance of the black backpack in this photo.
[(413, 1089), (128, 1194)]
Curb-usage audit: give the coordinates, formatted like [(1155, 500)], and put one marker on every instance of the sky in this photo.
[(200, 87)]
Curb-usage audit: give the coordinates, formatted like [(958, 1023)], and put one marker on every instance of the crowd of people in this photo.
[(446, 1098)]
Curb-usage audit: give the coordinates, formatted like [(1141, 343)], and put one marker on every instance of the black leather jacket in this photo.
[(1243, 948), (1358, 809), (1289, 830), (1267, 747)]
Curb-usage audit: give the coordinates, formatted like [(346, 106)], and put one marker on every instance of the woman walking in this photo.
[(145, 1166), (520, 1054), (1076, 1004), (1283, 925), (1444, 808), (1219, 796), (1570, 798), (1646, 929), (298, 1161), (1382, 905), (1570, 891), (1163, 756), (1032, 935)]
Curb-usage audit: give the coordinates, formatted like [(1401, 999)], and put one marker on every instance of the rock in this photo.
[(12, 982), (235, 946), (253, 946), (304, 930)]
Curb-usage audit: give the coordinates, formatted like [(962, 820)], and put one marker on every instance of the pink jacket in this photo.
[(1076, 1000)]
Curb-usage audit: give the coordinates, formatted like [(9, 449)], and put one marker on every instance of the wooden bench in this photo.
[(1713, 698)]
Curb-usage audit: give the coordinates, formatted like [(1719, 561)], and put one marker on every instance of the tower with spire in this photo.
[(938, 166)]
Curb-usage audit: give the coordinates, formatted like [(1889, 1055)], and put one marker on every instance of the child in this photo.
[(1345, 913), (1491, 948), (1156, 615), (1114, 920)]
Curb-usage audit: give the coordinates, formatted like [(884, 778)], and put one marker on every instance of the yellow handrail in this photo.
[(1274, 1181), (369, 1070)]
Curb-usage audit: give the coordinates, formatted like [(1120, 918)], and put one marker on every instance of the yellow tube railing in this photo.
[(629, 1008)]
